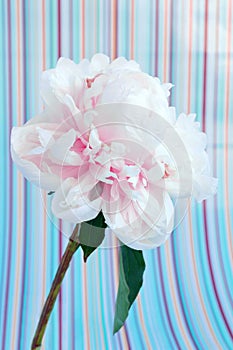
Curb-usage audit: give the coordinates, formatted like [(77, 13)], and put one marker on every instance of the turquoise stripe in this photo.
[(76, 31)]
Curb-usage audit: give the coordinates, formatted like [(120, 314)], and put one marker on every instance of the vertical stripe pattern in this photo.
[(186, 300)]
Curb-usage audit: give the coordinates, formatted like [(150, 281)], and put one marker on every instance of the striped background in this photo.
[(186, 300)]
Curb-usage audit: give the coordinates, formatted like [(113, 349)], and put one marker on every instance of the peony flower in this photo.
[(108, 141)]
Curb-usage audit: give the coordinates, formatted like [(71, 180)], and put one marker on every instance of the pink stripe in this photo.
[(132, 29), (71, 28), (142, 323), (82, 28), (114, 28)]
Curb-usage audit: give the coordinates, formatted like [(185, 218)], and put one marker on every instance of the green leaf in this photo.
[(132, 266), (92, 234)]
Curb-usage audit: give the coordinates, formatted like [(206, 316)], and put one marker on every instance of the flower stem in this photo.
[(49, 304)]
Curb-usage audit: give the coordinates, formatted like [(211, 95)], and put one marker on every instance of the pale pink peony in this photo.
[(108, 140)]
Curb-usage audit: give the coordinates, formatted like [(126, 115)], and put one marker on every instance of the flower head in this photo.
[(108, 141)]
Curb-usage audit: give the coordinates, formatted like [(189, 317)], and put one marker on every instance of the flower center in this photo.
[(90, 81)]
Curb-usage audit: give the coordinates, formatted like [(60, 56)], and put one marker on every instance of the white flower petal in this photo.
[(60, 151), (72, 204), (45, 136), (99, 62), (204, 187), (46, 181)]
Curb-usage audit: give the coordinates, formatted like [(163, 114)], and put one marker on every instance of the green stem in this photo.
[(49, 304)]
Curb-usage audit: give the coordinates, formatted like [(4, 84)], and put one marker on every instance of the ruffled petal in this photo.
[(28, 145), (99, 63), (141, 225), (46, 181), (204, 187), (76, 202)]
